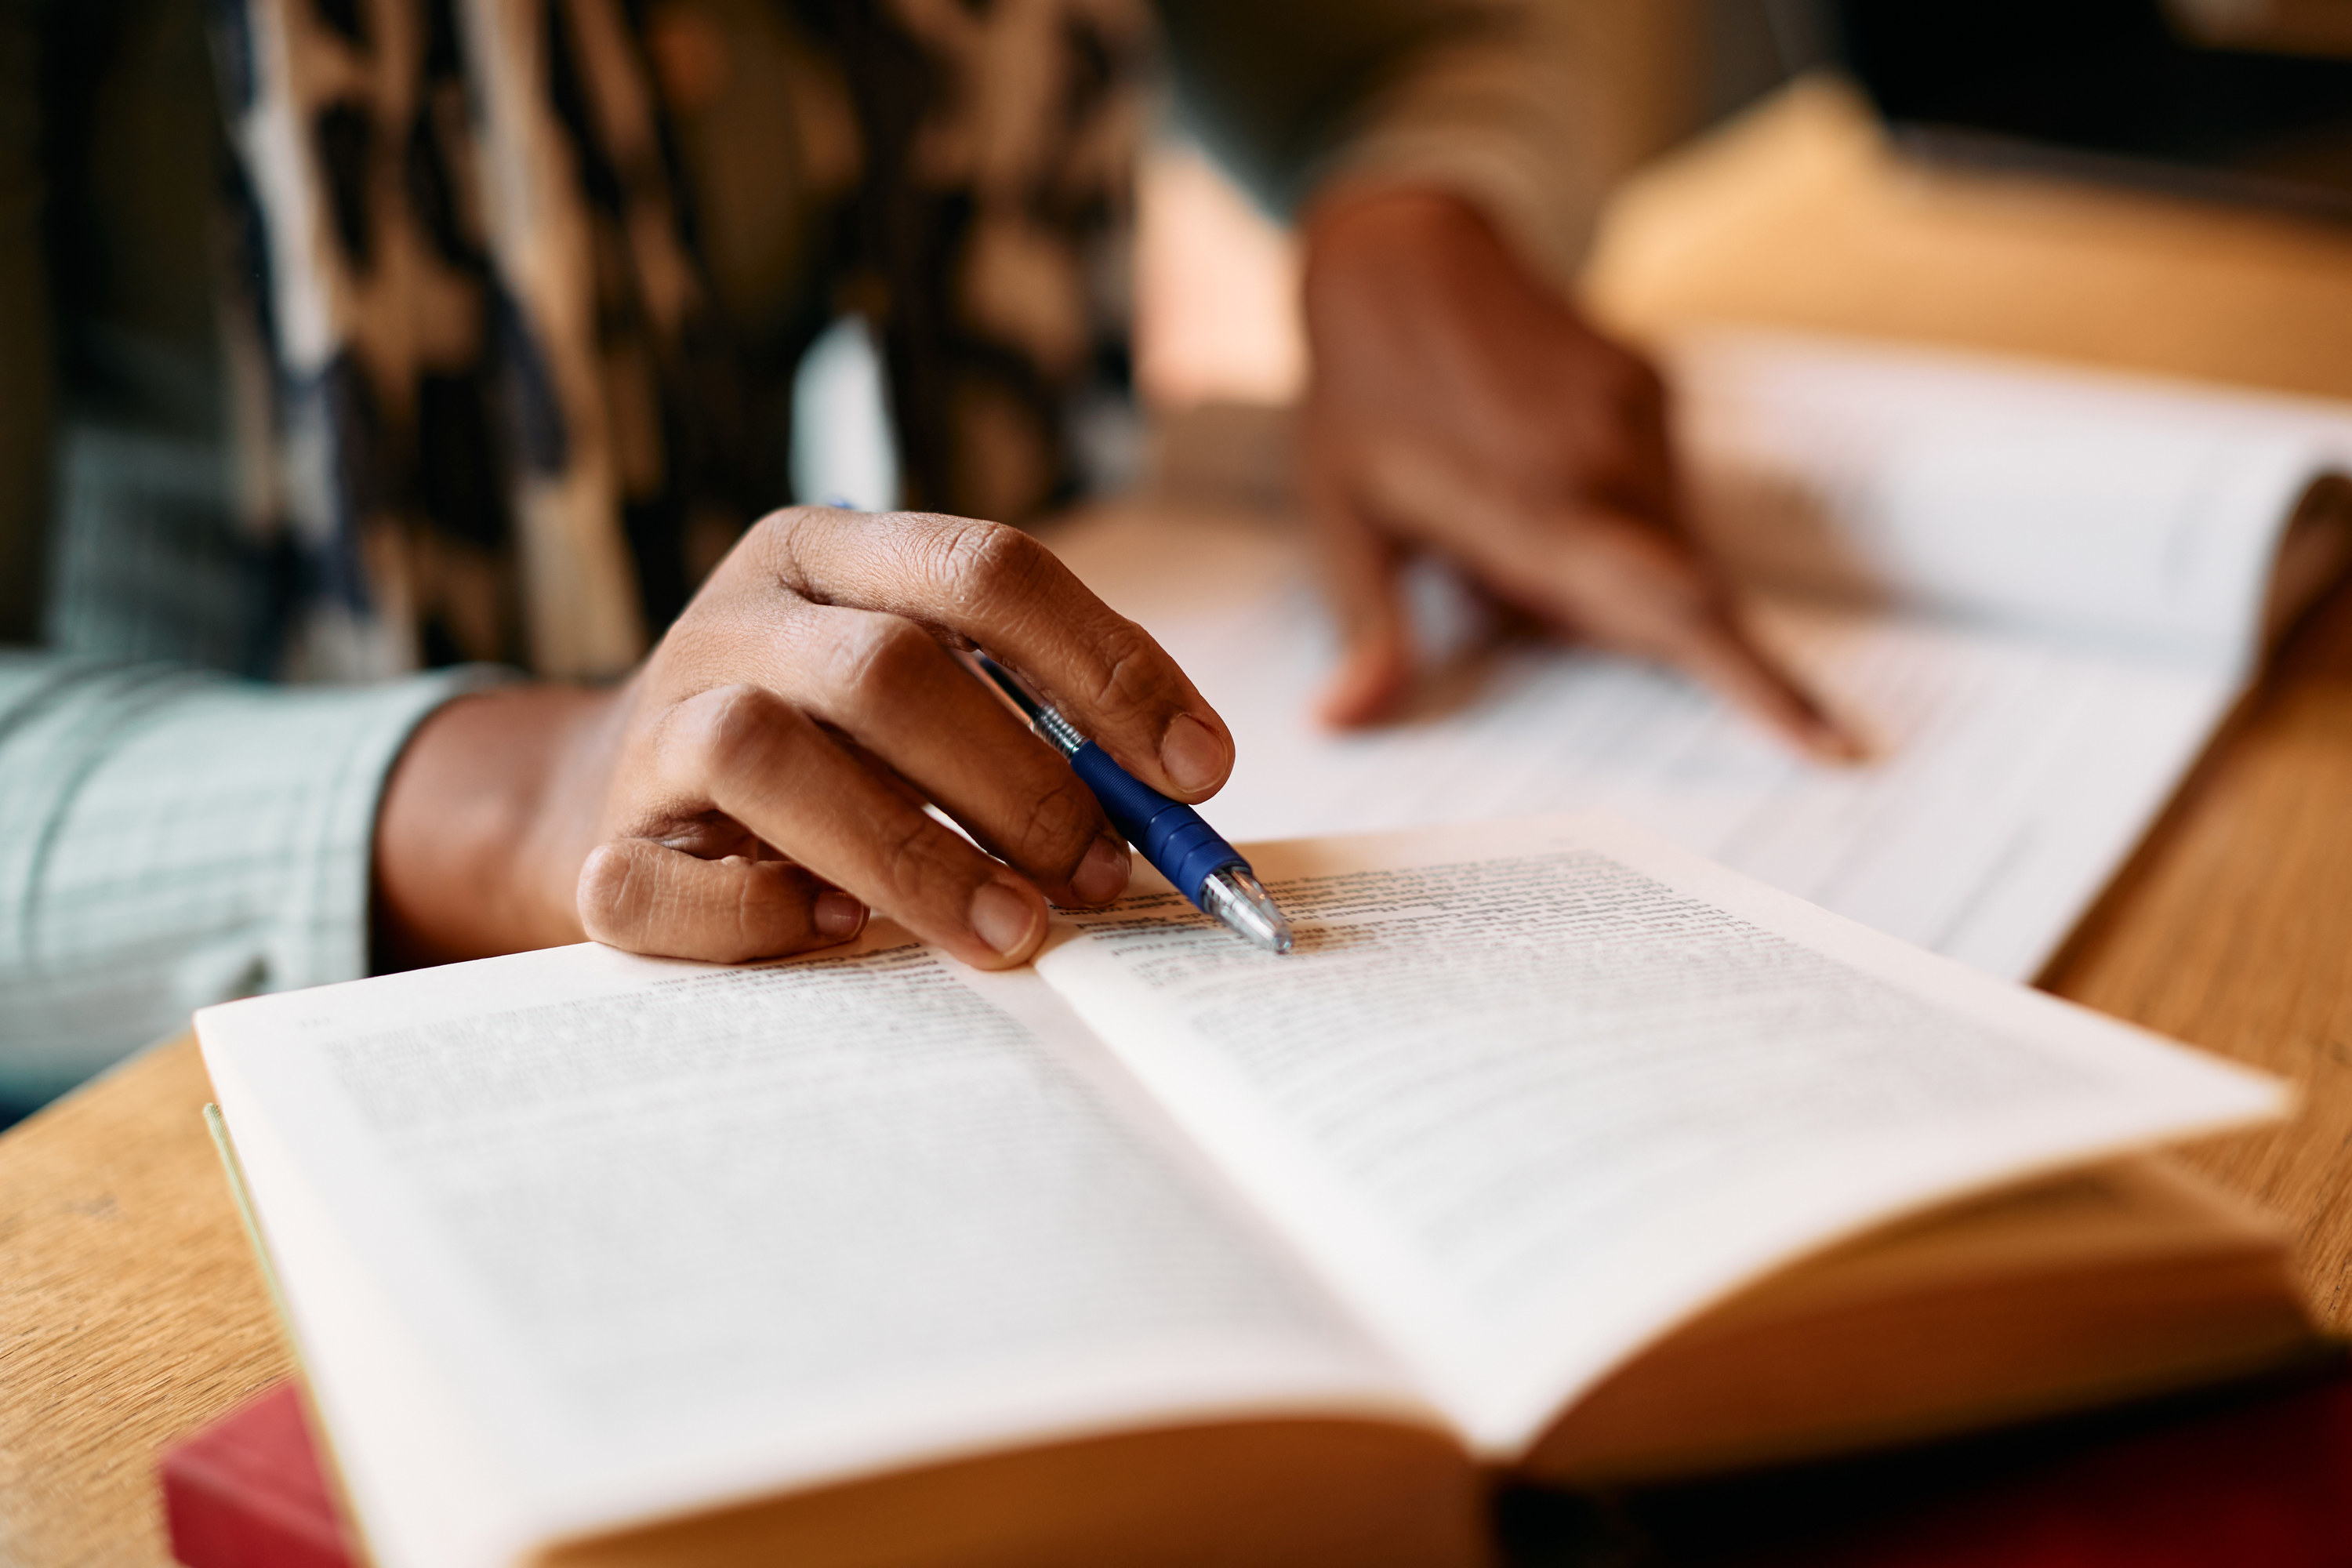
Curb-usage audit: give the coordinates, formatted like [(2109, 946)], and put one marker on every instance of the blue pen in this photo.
[(1187, 850)]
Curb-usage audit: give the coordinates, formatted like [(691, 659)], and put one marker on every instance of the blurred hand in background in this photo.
[(1460, 406)]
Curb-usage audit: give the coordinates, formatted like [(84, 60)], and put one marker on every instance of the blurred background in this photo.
[(112, 207), (2246, 103)]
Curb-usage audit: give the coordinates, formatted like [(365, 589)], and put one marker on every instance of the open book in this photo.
[(2038, 590), (1552, 1147)]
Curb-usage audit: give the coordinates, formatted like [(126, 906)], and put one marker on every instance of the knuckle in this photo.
[(614, 895), (909, 856), (781, 544), (877, 658), (1126, 665), (778, 526), (770, 913), (772, 535), (1056, 827), (604, 889), (740, 725), (976, 561)]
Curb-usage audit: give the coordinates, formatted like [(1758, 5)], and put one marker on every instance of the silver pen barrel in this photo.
[(1230, 894), (1235, 897), (1051, 727)]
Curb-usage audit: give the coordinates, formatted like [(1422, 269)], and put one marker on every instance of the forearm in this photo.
[(485, 819)]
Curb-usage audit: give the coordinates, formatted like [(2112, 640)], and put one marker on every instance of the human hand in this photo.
[(1459, 406), (759, 785)]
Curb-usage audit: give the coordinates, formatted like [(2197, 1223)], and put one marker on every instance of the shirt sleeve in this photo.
[(174, 838), (1508, 102)]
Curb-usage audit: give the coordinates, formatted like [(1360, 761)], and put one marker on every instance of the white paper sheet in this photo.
[(573, 1238), (2128, 512), (1532, 1092), (2037, 591), (2013, 776)]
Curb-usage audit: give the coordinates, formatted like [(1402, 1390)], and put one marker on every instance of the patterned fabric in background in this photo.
[(520, 288), (520, 284)]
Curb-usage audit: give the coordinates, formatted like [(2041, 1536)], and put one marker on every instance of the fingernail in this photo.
[(1003, 918), (1195, 759), (838, 915), (1102, 874)]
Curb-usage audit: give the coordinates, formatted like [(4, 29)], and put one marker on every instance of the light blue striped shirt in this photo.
[(123, 905)]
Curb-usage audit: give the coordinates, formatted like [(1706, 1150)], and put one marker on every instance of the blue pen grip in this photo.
[(1170, 833)]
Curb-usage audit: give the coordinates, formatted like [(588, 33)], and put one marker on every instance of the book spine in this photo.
[(314, 1460)]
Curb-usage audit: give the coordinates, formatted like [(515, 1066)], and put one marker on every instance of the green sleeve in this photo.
[(1275, 87), (1525, 107)]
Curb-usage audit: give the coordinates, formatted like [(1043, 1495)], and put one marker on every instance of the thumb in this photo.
[(1361, 571)]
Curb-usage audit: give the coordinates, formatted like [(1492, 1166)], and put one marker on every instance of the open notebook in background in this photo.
[(2038, 590)]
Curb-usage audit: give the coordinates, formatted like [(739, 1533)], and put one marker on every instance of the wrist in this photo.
[(1386, 210), (1399, 234), (484, 821), (1418, 260)]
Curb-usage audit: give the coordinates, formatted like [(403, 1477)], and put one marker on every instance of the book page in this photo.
[(2036, 590), (2010, 776), (2128, 512), (670, 1234), (1532, 1093)]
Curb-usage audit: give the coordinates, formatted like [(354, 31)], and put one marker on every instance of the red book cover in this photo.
[(2268, 1484), (2257, 1475), (2265, 1480), (247, 1491)]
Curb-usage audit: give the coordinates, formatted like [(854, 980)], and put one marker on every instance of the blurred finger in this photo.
[(1634, 588), (1633, 467), (648, 897), (1626, 584), (1713, 651), (1361, 570), (766, 764), (998, 588)]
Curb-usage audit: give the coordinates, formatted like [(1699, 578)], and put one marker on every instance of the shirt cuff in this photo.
[(185, 840), (1506, 120)]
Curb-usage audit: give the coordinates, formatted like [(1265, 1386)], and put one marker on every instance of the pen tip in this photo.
[(1234, 897)]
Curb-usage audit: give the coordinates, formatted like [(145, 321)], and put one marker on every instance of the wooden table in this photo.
[(130, 1312), (2232, 926)]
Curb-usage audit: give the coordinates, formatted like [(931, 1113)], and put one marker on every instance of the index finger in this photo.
[(984, 583), (1647, 593), (1627, 583), (1711, 649)]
